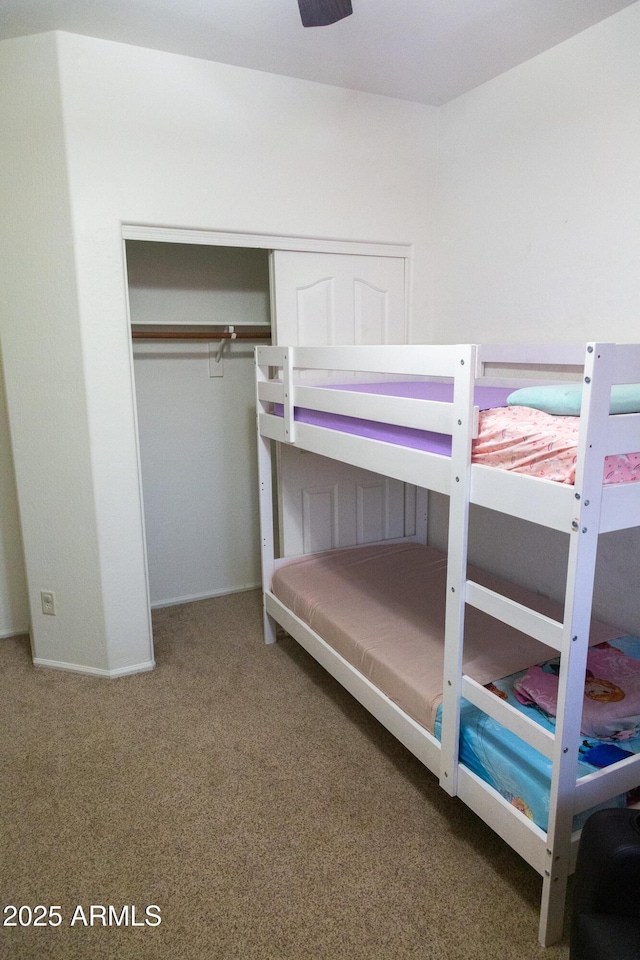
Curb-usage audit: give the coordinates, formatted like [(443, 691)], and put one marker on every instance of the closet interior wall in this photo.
[(196, 415)]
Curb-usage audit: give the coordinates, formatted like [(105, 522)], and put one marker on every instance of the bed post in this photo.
[(573, 663), (265, 496), (462, 433)]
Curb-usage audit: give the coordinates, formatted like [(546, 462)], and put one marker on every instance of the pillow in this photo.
[(564, 399)]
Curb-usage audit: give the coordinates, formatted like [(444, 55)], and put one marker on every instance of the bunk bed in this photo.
[(448, 637)]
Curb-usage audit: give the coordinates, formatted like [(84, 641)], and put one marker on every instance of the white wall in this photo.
[(14, 616), (540, 240), (197, 432), (540, 209), (154, 138), (43, 365)]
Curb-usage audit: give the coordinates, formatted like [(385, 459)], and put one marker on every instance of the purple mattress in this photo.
[(484, 397)]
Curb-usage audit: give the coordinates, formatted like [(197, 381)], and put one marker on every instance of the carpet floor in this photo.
[(243, 794)]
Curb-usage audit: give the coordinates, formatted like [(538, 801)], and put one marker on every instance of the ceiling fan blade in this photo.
[(320, 13)]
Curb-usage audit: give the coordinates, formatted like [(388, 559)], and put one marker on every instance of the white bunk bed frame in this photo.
[(582, 511)]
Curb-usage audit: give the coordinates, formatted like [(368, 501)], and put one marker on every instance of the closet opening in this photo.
[(196, 412)]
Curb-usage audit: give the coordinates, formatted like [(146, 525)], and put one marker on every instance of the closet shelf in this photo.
[(200, 335), (200, 323)]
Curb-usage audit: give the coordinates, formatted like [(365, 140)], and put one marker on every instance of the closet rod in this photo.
[(199, 335)]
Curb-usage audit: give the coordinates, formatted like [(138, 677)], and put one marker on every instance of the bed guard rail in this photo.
[(279, 383)]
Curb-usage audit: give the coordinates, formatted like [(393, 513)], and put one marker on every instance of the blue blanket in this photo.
[(517, 771)]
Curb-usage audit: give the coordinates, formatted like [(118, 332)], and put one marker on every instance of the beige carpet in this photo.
[(247, 795)]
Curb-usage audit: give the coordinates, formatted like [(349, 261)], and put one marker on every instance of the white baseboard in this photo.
[(95, 671), (13, 632), (157, 604)]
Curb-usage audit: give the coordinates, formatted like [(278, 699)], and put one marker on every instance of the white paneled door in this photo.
[(327, 298), (322, 298)]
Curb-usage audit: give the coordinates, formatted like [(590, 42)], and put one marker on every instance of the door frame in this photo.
[(132, 231), (185, 235)]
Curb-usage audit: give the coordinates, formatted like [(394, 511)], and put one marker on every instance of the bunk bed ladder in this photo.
[(575, 640), (570, 637)]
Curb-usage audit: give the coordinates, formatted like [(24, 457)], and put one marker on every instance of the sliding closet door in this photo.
[(322, 298)]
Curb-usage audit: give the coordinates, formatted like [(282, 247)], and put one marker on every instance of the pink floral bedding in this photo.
[(611, 708), (528, 441)]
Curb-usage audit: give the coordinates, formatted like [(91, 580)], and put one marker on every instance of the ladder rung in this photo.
[(522, 618), (523, 726)]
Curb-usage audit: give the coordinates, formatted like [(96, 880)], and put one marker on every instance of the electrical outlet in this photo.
[(48, 601)]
